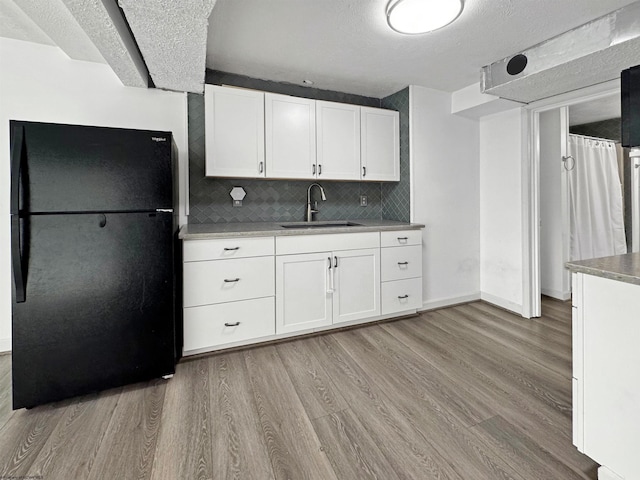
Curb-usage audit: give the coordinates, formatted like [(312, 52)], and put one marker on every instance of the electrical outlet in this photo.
[(363, 200)]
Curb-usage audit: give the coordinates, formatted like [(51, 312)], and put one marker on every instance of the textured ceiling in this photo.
[(172, 38), (58, 23), (14, 23), (103, 22), (346, 45)]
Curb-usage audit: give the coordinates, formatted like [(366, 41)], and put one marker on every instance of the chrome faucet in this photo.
[(310, 211)]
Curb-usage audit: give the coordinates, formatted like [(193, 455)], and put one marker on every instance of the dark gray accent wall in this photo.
[(396, 196), (215, 77), (609, 129), (278, 200)]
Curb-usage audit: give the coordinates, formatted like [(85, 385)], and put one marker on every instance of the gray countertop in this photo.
[(263, 229), (625, 268)]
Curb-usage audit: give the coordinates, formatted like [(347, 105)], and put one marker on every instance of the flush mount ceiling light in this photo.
[(413, 17)]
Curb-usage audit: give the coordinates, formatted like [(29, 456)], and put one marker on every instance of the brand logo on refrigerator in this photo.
[(158, 139)]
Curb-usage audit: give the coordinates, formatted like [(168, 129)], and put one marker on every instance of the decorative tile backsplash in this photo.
[(396, 196), (285, 200)]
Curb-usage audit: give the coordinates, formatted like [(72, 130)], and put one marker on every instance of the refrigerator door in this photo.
[(99, 304), (71, 168)]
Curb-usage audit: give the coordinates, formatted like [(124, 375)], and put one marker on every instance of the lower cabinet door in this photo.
[(357, 284), (222, 323), (303, 292), (401, 295)]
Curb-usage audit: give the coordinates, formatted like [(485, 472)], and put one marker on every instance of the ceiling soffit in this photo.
[(57, 22), (105, 25), (592, 53), (172, 37)]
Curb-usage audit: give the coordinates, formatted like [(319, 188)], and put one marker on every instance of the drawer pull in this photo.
[(403, 263), (231, 280), (227, 249), (403, 239), (226, 324), (402, 297)]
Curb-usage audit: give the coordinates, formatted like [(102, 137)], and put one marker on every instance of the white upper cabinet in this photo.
[(380, 144), (290, 138), (338, 141), (234, 126)]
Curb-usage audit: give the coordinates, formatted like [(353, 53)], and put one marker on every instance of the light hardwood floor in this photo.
[(470, 393)]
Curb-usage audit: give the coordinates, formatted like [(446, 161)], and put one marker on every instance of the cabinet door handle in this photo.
[(231, 280), (329, 258), (226, 324), (364, 172), (335, 259), (403, 263), (319, 169), (261, 167), (313, 168), (402, 297), (230, 249)]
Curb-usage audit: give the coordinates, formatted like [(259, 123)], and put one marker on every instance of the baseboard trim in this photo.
[(501, 302), (5, 345), (557, 294), (449, 302)]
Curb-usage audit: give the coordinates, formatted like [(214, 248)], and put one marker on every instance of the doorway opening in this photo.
[(561, 131)]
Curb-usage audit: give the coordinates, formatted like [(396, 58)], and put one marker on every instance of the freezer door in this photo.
[(71, 168), (99, 304)]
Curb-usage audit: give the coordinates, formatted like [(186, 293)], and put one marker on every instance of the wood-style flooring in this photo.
[(470, 392)]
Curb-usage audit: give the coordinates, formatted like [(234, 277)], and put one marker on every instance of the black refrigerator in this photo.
[(92, 245)]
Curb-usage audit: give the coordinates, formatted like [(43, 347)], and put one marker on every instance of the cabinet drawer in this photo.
[(224, 248), (294, 244), (401, 262), (212, 325), (400, 238), (401, 295), (219, 281)]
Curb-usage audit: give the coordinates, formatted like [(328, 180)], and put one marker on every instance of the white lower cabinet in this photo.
[(229, 322), (356, 292), (239, 291), (401, 271), (319, 289), (401, 295), (228, 292), (303, 296)]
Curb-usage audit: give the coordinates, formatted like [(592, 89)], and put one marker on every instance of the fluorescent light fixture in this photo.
[(413, 17)]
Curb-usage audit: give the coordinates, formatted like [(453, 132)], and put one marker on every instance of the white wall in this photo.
[(445, 191), (40, 83), (501, 204), (554, 222)]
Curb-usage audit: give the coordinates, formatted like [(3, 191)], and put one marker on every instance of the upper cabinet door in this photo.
[(380, 144), (338, 137), (290, 142), (234, 132)]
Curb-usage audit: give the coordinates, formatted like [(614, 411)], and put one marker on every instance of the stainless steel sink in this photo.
[(319, 225)]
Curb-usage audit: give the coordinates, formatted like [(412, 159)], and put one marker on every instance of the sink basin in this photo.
[(319, 225)]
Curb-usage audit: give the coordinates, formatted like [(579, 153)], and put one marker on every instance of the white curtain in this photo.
[(596, 206)]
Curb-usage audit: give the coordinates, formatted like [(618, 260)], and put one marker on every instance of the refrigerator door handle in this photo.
[(16, 160), (16, 260)]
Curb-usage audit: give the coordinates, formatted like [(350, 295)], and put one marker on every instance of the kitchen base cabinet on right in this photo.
[(606, 374), (401, 272)]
